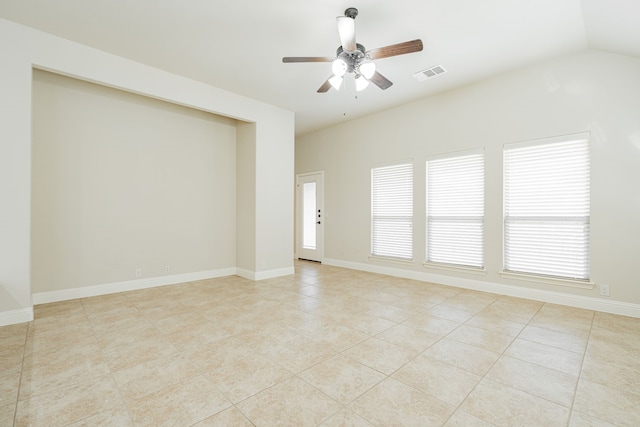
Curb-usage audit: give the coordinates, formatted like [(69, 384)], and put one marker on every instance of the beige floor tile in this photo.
[(501, 405), (380, 355), (462, 419), (315, 341), (370, 325), (492, 321), (69, 404), (579, 419), (608, 404), (130, 334), (432, 323), (514, 309), (231, 417), (547, 383), (113, 417), (76, 336), (453, 311), (11, 357), (474, 300), (241, 378), (439, 379), (483, 338), (298, 353), (61, 308), (338, 338), (185, 403), (289, 403), (464, 356), (543, 355), (341, 378), (618, 375), (210, 355), (412, 339), (9, 385), (163, 308), (129, 355), (59, 321), (559, 318), (392, 403), (199, 334), (178, 323), (17, 330), (615, 323), (148, 377), (14, 340), (112, 311), (346, 418), (47, 377), (574, 343), (622, 350), (7, 413), (390, 312)]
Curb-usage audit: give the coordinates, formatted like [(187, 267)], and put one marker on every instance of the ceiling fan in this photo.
[(352, 57)]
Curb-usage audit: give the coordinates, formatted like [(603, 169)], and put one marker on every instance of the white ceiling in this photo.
[(238, 45)]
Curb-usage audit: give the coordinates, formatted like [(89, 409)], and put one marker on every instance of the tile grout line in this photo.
[(584, 356), (24, 352)]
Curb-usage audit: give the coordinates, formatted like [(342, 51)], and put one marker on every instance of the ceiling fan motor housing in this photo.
[(352, 59)]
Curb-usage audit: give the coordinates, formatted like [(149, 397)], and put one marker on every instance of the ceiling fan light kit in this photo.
[(353, 58)]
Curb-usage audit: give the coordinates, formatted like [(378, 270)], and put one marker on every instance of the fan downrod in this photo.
[(351, 12)]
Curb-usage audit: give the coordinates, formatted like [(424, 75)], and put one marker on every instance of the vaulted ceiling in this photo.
[(238, 45)]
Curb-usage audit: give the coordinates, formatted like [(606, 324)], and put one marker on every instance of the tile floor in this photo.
[(327, 346)]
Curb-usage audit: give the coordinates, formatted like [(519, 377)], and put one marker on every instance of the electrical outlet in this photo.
[(167, 268), (604, 290), (138, 272)]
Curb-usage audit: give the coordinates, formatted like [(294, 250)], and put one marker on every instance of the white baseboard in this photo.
[(11, 317), (579, 301), (263, 275), (130, 285), (152, 282)]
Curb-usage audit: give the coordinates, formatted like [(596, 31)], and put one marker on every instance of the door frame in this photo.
[(319, 252)]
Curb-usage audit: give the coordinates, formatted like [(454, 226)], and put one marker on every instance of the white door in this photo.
[(310, 215)]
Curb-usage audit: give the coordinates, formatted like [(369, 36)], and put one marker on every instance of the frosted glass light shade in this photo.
[(339, 67), (361, 83), (336, 82), (367, 69)]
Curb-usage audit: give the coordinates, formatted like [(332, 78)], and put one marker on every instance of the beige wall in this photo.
[(591, 91), (271, 194), (121, 182)]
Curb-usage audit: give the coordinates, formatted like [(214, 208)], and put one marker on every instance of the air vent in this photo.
[(429, 73)]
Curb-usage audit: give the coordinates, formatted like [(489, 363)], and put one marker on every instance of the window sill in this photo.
[(548, 280), (389, 259), (457, 268)]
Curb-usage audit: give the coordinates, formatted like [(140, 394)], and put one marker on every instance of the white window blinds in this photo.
[(455, 210), (547, 207), (392, 211)]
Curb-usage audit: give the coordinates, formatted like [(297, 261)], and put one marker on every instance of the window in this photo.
[(546, 207), (392, 211), (455, 209)]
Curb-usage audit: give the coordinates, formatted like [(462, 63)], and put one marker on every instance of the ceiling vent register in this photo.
[(429, 73)]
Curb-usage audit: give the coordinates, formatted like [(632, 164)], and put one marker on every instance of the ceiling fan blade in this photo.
[(396, 49), (325, 87), (347, 33), (307, 59), (381, 81)]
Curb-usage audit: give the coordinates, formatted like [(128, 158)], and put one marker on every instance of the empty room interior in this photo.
[(321, 213)]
